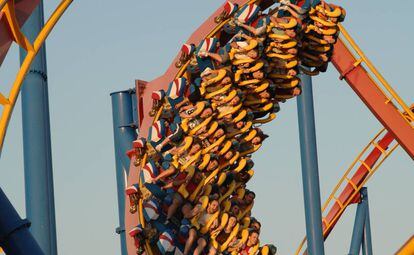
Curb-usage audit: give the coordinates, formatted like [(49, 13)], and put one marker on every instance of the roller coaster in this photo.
[(199, 123)]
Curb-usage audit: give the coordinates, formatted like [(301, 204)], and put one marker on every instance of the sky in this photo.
[(100, 47)]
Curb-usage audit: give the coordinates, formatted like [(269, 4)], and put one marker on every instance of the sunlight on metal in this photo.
[(407, 248)]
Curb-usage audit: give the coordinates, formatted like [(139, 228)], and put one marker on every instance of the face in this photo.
[(206, 113), (253, 54), (232, 222), (196, 147), (212, 165), (264, 94), (228, 155), (249, 198), (253, 238), (198, 177), (258, 75), (213, 206), (226, 80), (235, 209), (256, 226), (256, 140), (235, 100), (239, 125), (219, 133)]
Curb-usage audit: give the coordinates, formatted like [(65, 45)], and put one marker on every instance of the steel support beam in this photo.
[(40, 205), (310, 175), (361, 234), (15, 237), (124, 135)]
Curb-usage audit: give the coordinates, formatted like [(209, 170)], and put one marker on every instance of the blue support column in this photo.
[(124, 134), (310, 175), (359, 225), (367, 241), (40, 205), (15, 237)]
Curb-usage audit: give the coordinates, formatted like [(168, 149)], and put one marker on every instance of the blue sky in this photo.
[(100, 48)]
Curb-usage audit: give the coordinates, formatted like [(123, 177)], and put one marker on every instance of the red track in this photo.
[(23, 10), (365, 87)]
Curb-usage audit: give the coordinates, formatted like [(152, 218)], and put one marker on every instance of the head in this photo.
[(264, 94), (256, 140), (235, 209), (213, 205), (196, 147), (258, 75), (235, 101), (255, 225), (253, 54), (219, 133), (206, 113), (212, 165), (228, 155), (240, 125), (226, 80), (198, 176), (253, 238), (232, 221), (249, 197)]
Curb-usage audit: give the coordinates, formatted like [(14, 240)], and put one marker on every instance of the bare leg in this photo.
[(174, 206), (191, 238), (201, 244)]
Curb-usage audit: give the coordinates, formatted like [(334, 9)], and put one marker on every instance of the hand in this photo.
[(159, 147), (203, 54)]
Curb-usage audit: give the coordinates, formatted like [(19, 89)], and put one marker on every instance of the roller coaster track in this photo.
[(12, 17), (390, 110)]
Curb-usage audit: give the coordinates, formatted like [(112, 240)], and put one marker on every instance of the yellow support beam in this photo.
[(3, 99), (2, 4), (15, 90), (407, 248)]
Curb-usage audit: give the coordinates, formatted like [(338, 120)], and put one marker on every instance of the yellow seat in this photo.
[(250, 136), (213, 91), (240, 116), (326, 23), (221, 74), (182, 190), (231, 111), (204, 162), (226, 147), (289, 84), (246, 127), (230, 191), (188, 140), (317, 40), (248, 82), (291, 24), (202, 124), (252, 150), (193, 159), (333, 14), (255, 102), (279, 37), (241, 165), (261, 87), (279, 55), (269, 118), (216, 143)]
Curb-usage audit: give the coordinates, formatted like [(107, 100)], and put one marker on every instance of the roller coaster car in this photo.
[(215, 91), (269, 118), (182, 190), (216, 143), (133, 193)]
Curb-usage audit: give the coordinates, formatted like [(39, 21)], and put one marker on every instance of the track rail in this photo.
[(376, 93)]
